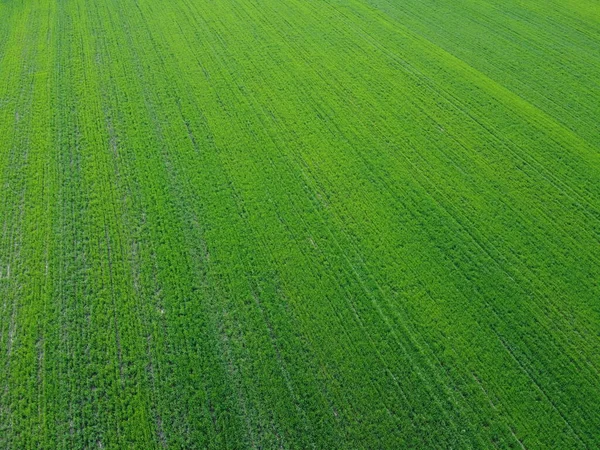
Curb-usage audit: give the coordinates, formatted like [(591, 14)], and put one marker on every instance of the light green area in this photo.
[(299, 224)]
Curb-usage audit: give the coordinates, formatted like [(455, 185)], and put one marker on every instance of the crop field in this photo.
[(303, 224)]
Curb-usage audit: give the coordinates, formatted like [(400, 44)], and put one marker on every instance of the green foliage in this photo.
[(299, 224)]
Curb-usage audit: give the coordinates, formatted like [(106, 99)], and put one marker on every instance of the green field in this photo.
[(327, 224)]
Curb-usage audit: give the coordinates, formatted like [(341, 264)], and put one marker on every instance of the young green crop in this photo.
[(299, 224)]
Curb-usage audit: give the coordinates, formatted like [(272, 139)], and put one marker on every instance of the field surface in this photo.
[(328, 224)]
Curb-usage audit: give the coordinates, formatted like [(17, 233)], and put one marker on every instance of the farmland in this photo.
[(299, 224)]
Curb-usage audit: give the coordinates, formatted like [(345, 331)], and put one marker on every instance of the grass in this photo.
[(299, 224)]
